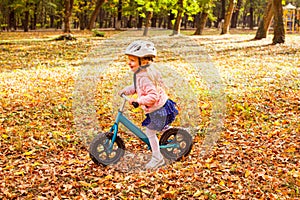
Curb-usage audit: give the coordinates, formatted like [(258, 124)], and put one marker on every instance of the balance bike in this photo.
[(108, 148)]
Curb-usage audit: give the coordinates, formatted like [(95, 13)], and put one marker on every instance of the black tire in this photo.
[(179, 136), (99, 149)]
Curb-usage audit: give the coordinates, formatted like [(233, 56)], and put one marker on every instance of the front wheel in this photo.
[(102, 154), (180, 142)]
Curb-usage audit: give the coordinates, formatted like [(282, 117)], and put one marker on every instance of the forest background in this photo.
[(90, 14)]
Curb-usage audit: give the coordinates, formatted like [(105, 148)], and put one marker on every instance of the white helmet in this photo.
[(141, 48)]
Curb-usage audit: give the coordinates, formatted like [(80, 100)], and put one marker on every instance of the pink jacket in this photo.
[(150, 97)]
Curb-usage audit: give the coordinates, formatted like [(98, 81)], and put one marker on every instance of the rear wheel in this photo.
[(100, 152), (179, 137)]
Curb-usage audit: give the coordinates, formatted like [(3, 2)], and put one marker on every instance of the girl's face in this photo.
[(133, 63)]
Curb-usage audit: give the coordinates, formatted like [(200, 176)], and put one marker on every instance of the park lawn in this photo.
[(257, 155)]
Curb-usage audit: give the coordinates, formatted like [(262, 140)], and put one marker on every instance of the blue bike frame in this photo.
[(133, 128), (128, 124)]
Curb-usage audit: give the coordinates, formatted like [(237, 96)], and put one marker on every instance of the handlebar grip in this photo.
[(135, 104)]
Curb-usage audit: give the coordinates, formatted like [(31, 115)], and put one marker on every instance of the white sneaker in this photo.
[(155, 163)]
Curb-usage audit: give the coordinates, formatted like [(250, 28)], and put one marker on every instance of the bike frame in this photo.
[(132, 127)]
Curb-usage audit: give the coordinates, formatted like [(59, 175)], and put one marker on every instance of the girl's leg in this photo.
[(157, 158)]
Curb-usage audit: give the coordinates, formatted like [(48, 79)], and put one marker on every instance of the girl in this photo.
[(160, 111)]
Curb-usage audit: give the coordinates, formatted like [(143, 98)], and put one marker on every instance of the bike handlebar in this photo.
[(135, 104)]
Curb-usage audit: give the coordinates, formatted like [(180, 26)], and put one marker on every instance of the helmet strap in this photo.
[(134, 75)]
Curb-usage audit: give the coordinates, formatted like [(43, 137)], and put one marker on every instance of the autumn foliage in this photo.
[(256, 157)]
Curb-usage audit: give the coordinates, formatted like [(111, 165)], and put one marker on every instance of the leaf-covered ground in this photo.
[(256, 157)]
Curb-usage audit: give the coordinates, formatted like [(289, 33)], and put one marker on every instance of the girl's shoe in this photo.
[(155, 163)]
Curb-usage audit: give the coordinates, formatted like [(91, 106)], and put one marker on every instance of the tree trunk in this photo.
[(234, 19), (264, 25), (222, 16), (102, 17), (60, 20), (26, 21), (201, 23), (185, 21), (244, 19), (33, 25), (82, 15), (223, 11), (235, 14), (177, 24), (129, 23), (26, 18), (52, 18), (68, 13), (140, 22), (95, 14), (148, 22), (251, 24), (165, 22), (160, 22), (279, 32), (228, 15), (12, 20), (119, 19), (171, 17), (154, 21)]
